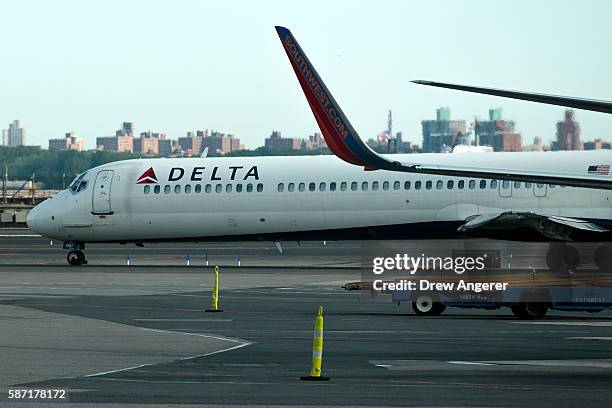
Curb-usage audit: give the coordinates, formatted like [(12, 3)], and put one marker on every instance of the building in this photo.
[(166, 147), (568, 133), (537, 146), (441, 134), (148, 143), (220, 142), (123, 141), (498, 133), (279, 143), (191, 145), (70, 142), (14, 135), (598, 144)]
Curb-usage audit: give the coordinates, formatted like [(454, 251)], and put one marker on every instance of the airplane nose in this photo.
[(33, 219)]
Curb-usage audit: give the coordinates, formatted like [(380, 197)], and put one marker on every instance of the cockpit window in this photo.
[(78, 184)]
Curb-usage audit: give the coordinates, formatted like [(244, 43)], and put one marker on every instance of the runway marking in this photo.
[(406, 365), (183, 320), (470, 363), (241, 344), (582, 323), (19, 235), (589, 338)]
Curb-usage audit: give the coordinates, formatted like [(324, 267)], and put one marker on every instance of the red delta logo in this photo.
[(148, 177)]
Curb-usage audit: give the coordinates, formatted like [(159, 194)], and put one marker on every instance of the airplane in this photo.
[(551, 196)]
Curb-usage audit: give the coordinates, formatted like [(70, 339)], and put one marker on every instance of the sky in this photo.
[(175, 66)]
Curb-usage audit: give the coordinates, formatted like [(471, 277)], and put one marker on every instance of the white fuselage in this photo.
[(114, 207)]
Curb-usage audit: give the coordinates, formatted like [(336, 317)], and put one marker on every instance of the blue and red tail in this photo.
[(341, 137)]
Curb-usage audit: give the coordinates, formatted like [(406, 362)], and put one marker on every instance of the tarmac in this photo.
[(110, 334)]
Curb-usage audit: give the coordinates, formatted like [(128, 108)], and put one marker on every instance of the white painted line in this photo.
[(470, 363), (183, 320), (580, 323), (589, 338), (242, 344), (19, 235)]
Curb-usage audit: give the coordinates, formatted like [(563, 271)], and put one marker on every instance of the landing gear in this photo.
[(530, 310), (427, 304), (76, 257)]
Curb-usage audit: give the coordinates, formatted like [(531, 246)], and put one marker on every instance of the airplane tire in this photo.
[(530, 310), (427, 304), (76, 258), (561, 253)]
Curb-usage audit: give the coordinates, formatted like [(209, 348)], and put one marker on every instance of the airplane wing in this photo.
[(550, 226), (344, 142)]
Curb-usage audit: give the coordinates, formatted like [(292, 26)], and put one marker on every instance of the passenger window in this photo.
[(472, 184), (505, 184), (249, 188), (439, 185), (311, 186), (218, 188), (527, 185), (364, 186), (450, 184), (428, 184), (375, 186), (460, 184), (540, 185), (343, 186), (332, 186), (147, 189), (301, 187), (198, 188), (239, 188), (322, 186), (291, 187), (385, 185), (188, 188), (552, 185), (228, 188), (156, 189), (259, 187), (483, 184), (406, 185), (354, 186), (208, 188), (396, 185), (417, 185), (517, 184), (493, 184), (177, 189), (167, 189), (281, 187)]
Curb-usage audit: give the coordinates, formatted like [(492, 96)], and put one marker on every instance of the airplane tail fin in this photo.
[(339, 134)]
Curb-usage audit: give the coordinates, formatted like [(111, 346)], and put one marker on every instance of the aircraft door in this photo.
[(101, 201), (505, 188), (539, 190)]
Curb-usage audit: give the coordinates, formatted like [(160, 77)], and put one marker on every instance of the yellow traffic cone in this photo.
[(317, 350), (214, 302)]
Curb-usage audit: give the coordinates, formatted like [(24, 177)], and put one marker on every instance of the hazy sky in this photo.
[(174, 66)]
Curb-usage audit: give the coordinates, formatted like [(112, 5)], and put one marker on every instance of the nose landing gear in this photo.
[(76, 255), (76, 258)]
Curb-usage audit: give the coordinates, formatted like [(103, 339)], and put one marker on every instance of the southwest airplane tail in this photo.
[(344, 142)]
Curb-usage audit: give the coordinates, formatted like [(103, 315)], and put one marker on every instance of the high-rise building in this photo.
[(498, 133), (191, 145), (70, 142), (148, 143), (598, 144), (277, 142), (441, 134), (14, 135), (568, 133), (127, 129), (220, 142), (165, 147), (123, 141)]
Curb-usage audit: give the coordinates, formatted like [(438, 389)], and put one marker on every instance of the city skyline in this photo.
[(82, 67)]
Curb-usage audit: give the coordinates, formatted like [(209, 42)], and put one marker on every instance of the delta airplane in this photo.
[(554, 196)]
